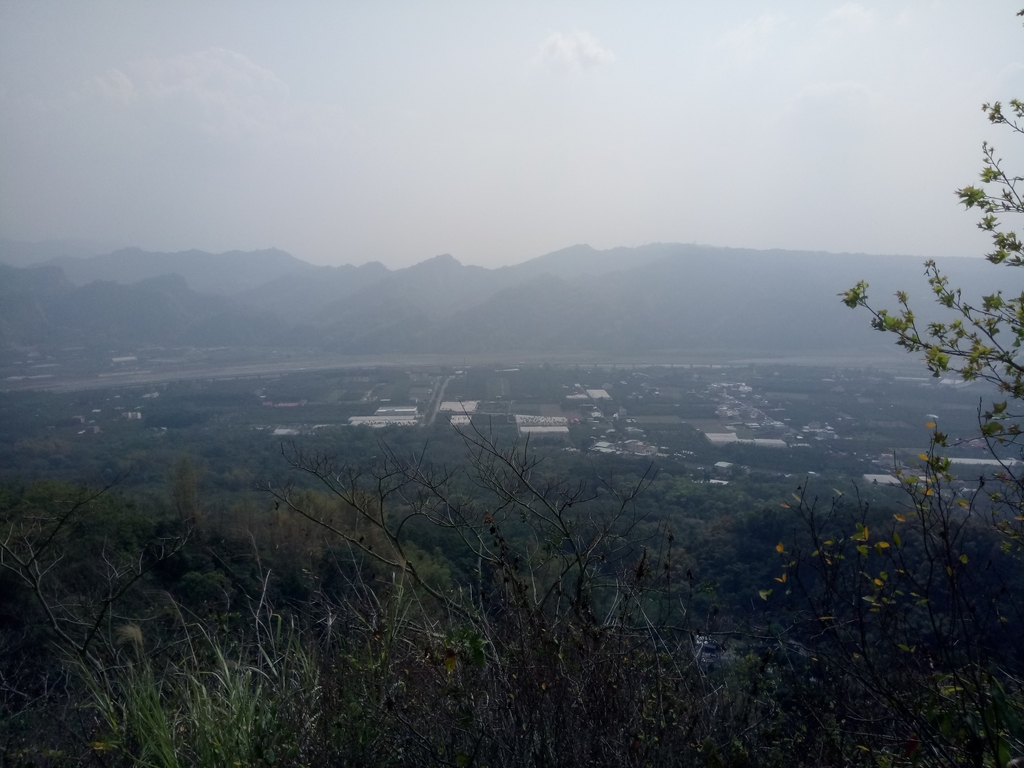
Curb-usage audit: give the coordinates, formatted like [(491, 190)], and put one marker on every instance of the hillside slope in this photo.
[(693, 299)]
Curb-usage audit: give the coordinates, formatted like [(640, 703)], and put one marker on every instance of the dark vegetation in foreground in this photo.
[(484, 611)]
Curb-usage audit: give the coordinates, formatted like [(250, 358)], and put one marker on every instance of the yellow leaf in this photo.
[(781, 579), (923, 456), (764, 593), (900, 518), (963, 503), (780, 548), (930, 425)]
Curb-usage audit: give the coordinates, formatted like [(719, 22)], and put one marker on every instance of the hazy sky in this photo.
[(351, 132)]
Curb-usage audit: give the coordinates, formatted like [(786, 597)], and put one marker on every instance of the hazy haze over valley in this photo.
[(349, 134), (369, 180), (662, 298)]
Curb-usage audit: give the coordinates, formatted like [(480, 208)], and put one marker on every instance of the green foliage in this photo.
[(912, 619), (206, 709), (980, 341), (76, 552)]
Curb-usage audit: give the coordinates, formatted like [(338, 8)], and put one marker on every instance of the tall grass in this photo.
[(385, 686), (206, 709)]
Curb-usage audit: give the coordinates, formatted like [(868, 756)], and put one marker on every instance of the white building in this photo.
[(459, 406), (382, 421)]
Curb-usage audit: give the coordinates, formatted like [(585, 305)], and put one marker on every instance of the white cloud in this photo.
[(221, 92), (750, 32), (115, 87), (852, 17), (750, 38), (575, 51), (214, 75)]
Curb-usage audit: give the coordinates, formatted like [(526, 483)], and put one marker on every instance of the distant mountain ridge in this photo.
[(44, 307), (661, 296), (18, 253), (222, 273)]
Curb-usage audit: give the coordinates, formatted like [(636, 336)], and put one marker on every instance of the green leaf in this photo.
[(856, 295), (970, 196)]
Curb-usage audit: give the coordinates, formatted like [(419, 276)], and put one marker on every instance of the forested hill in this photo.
[(655, 297)]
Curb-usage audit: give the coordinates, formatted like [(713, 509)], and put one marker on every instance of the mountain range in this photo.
[(658, 297)]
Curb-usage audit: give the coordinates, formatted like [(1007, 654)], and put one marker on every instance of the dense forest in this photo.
[(486, 610)]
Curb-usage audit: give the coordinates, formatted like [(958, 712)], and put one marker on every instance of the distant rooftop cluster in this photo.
[(546, 426), (388, 416), (722, 438), (459, 406)]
